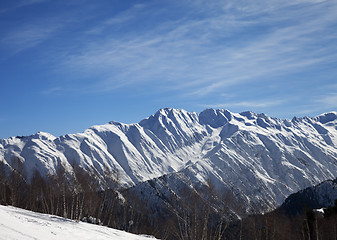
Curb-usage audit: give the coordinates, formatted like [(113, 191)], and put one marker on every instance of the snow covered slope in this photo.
[(322, 195), (260, 158), (16, 223)]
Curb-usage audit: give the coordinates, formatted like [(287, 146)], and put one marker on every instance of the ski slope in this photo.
[(19, 224)]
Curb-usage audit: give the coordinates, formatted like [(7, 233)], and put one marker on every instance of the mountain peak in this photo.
[(326, 117), (43, 136), (215, 118), (249, 115), (167, 111), (170, 114)]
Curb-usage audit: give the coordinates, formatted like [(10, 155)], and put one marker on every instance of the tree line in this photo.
[(72, 196), (194, 213)]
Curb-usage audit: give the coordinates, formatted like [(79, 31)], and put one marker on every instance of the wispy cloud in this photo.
[(329, 101), (18, 4), (205, 55), (263, 103), (317, 102), (28, 36), (117, 21), (272, 56), (53, 91)]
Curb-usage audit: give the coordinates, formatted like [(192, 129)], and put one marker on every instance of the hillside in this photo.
[(322, 195), (16, 223), (261, 159)]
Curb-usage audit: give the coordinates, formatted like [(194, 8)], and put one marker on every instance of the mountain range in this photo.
[(260, 159)]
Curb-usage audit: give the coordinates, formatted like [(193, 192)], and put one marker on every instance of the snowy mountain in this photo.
[(259, 158), (16, 223), (322, 195)]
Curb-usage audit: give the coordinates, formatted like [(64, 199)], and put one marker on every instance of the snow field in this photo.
[(20, 224)]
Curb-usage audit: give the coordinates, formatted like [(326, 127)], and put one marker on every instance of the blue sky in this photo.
[(68, 65)]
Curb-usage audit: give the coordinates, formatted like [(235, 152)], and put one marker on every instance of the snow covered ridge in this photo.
[(261, 158), (16, 223), (322, 195)]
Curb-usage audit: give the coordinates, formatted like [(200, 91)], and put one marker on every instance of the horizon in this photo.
[(67, 66)]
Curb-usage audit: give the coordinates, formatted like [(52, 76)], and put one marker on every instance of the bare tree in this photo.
[(62, 180), (37, 193), (18, 183)]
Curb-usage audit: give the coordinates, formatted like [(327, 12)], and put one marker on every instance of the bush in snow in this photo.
[(92, 220)]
